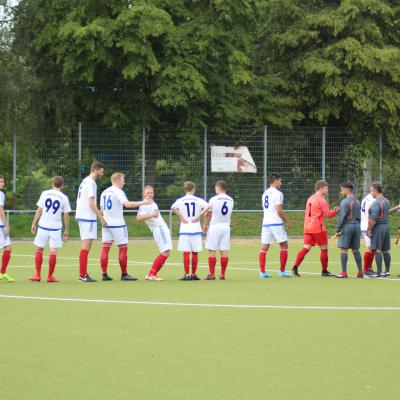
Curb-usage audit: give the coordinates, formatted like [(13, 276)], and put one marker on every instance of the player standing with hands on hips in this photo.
[(86, 215), (217, 226), (317, 209), (273, 228)]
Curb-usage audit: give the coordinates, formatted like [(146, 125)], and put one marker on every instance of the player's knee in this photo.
[(166, 253)]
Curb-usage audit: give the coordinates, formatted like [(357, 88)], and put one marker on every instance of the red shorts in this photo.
[(314, 239)]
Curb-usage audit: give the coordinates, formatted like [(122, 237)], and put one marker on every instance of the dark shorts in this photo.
[(380, 239), (316, 239), (350, 238)]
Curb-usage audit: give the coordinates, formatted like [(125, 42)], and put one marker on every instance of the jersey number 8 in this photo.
[(266, 202)]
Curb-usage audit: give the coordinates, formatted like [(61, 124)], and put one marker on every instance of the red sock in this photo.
[(186, 262), (38, 261), (368, 259), (300, 256), (283, 257), (158, 264), (5, 260), (123, 258), (195, 260), (262, 257), (324, 259), (52, 263), (104, 257), (224, 264), (212, 261), (83, 260), (371, 260)]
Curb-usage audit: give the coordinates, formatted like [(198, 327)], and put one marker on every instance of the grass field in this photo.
[(181, 343)]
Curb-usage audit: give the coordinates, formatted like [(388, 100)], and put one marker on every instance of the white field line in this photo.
[(202, 305)]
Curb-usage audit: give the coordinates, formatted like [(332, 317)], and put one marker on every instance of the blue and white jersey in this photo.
[(365, 206), (152, 223), (271, 198), (2, 203), (112, 202), (221, 207), (190, 207), (87, 189), (54, 204)]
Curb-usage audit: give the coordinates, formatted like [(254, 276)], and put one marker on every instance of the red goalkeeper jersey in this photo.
[(316, 210)]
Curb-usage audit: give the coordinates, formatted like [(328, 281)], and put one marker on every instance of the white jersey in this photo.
[(190, 207), (221, 207), (112, 202), (2, 203), (54, 204), (365, 206), (152, 223), (271, 198), (87, 189)]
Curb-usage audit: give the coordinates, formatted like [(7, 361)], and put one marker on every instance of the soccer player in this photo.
[(162, 236), (379, 231), (86, 215), (217, 227), (368, 255), (315, 233), (52, 205), (348, 229), (112, 203), (190, 209), (273, 228), (5, 242)]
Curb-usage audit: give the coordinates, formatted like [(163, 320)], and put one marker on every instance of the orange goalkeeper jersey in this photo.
[(316, 210)]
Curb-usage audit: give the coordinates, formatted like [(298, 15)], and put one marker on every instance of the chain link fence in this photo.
[(165, 158)]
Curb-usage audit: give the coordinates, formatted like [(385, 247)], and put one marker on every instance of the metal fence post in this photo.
[(265, 158), (15, 159), (143, 158), (380, 157), (80, 149), (323, 152), (205, 162)]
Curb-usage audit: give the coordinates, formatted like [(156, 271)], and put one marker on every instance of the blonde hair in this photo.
[(188, 186), (116, 176)]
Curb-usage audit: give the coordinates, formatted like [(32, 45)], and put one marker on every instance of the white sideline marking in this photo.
[(204, 305)]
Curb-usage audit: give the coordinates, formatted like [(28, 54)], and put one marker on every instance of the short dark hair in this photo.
[(96, 165), (57, 181), (320, 184), (223, 185), (347, 185), (377, 186), (274, 177)]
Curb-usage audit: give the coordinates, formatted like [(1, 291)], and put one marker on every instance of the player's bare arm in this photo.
[(204, 212), (178, 214), (394, 209), (207, 219), (6, 224), (145, 217), (66, 226), (93, 206), (136, 204), (371, 224), (282, 215), (36, 218)]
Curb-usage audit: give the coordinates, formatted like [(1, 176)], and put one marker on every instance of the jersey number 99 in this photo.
[(55, 205)]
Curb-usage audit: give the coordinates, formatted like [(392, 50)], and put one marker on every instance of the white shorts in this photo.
[(117, 235), (45, 237), (218, 237), (188, 243), (162, 237), (367, 239), (4, 240), (88, 230), (275, 233)]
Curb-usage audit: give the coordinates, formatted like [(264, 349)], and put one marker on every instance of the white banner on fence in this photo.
[(232, 159)]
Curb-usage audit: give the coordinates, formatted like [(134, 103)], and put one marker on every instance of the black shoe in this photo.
[(86, 278), (128, 278), (327, 273), (370, 272), (221, 278), (186, 278), (386, 275), (295, 271), (106, 277), (209, 278), (195, 278)]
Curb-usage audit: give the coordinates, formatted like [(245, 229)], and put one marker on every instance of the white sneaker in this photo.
[(153, 278)]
